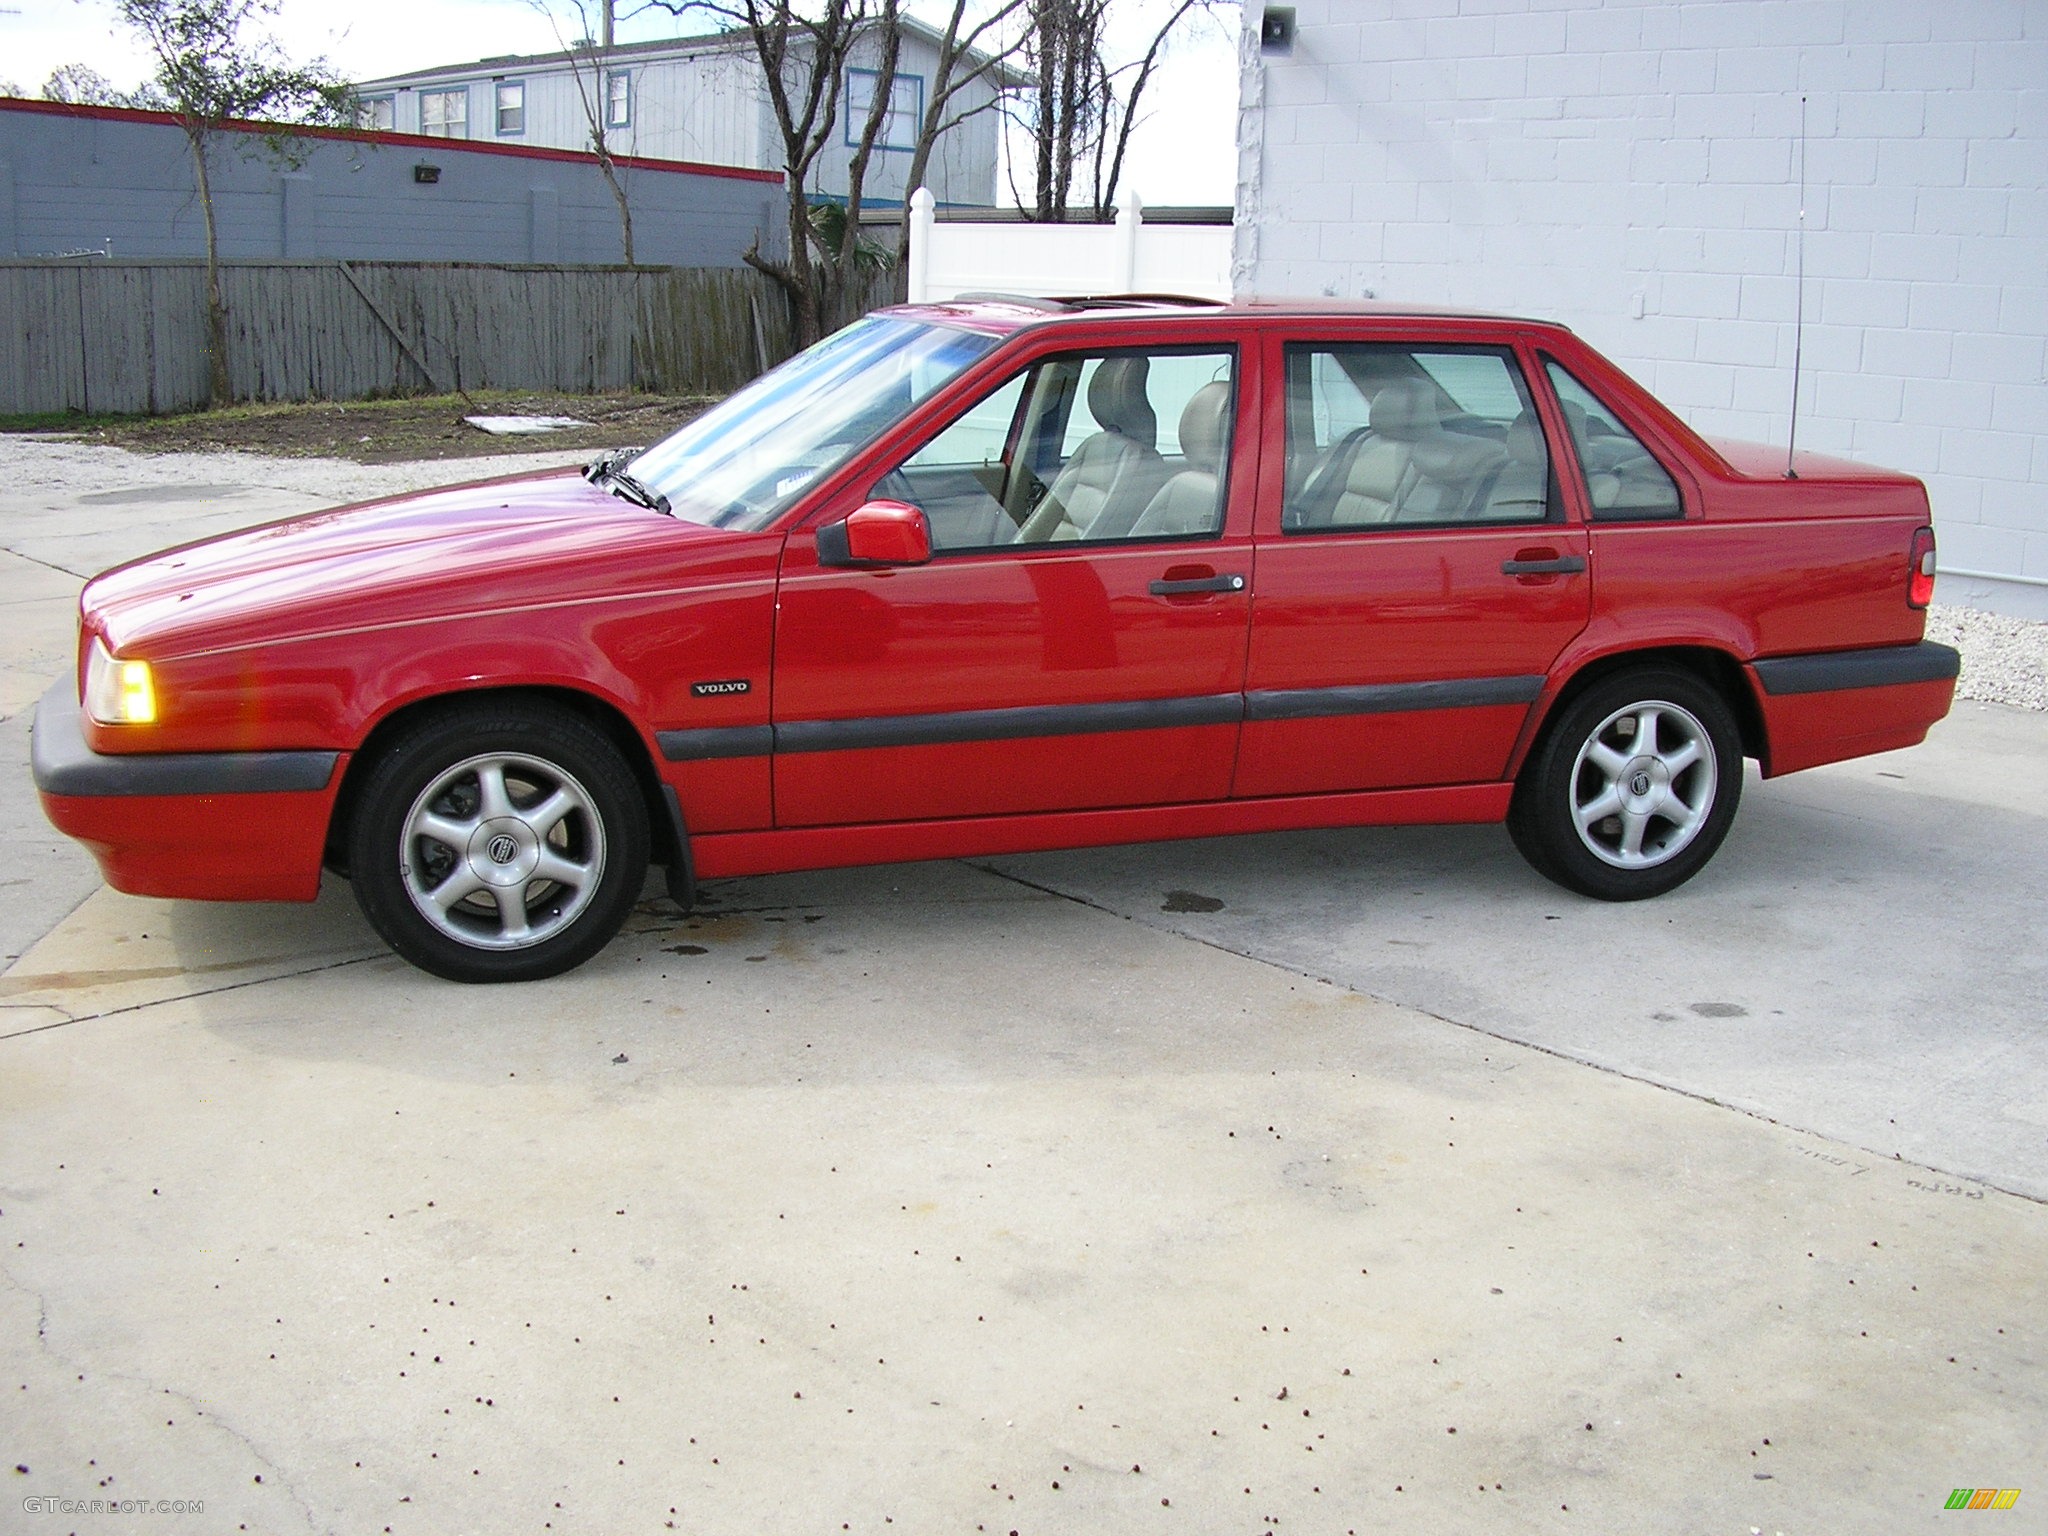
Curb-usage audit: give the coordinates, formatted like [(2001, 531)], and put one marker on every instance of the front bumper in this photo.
[(213, 826)]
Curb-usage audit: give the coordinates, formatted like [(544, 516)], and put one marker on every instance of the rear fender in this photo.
[(1714, 645)]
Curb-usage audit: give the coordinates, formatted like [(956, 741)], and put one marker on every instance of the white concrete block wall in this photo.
[(1631, 169)]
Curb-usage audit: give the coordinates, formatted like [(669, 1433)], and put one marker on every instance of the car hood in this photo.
[(485, 546)]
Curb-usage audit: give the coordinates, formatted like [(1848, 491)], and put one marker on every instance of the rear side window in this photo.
[(1380, 435), (1623, 479)]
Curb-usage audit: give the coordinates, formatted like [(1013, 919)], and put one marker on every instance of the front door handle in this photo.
[(1186, 585), (1561, 565)]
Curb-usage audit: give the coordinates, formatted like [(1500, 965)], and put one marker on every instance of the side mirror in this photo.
[(877, 533)]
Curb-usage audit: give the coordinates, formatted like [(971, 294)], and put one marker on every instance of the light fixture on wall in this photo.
[(426, 175)]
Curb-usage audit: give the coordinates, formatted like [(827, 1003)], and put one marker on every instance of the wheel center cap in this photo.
[(503, 851), (1643, 779)]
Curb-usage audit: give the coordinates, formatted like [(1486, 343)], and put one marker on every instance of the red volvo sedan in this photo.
[(997, 575)]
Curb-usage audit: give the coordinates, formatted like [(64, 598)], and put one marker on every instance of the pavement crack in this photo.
[(179, 997), (48, 565), (75, 1368)]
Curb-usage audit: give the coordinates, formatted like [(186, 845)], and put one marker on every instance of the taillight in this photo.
[(1920, 569)]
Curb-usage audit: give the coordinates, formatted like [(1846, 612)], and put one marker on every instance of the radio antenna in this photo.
[(1798, 300)]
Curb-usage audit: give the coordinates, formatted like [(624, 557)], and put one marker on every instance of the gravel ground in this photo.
[(2005, 660), (63, 466)]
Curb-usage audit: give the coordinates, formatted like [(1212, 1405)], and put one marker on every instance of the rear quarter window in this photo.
[(1624, 482)]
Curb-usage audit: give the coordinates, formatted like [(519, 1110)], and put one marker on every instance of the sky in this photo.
[(1182, 152)]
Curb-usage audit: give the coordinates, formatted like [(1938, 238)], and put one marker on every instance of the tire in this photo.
[(1632, 788), (498, 842)]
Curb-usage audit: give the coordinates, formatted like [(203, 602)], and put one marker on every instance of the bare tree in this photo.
[(1082, 108), (588, 55), (1065, 107), (969, 53), (804, 48), (1122, 90), (209, 73)]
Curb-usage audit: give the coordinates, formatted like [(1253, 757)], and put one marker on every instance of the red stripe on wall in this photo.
[(399, 140)]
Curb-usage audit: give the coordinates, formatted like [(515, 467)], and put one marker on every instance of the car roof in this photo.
[(1007, 312)]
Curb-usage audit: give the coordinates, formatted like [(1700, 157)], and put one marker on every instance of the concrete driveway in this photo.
[(1325, 1183)]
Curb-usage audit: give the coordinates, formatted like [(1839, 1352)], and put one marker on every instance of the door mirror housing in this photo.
[(877, 533)]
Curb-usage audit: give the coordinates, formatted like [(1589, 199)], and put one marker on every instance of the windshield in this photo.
[(744, 460)]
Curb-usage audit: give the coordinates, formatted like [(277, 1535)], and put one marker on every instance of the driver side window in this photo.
[(1087, 447)]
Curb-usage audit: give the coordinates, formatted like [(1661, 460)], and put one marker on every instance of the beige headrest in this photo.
[(1404, 411), (1117, 399), (1203, 421), (1525, 442)]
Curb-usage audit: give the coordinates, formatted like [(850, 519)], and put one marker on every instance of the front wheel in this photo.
[(498, 842), (1632, 789)]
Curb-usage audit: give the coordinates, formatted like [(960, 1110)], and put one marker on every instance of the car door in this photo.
[(1418, 574), (1077, 639)]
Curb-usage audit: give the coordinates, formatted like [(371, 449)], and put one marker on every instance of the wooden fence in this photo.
[(130, 336)]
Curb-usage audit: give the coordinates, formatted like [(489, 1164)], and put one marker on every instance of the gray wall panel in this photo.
[(83, 178)]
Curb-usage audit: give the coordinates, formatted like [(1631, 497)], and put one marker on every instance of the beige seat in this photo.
[(1378, 469), (1622, 479), (1191, 502), (1448, 472), (1114, 473), (1520, 492)]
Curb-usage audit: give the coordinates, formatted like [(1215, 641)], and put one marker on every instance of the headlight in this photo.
[(118, 692)]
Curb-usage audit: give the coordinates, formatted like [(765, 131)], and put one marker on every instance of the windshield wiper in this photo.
[(610, 471), (602, 466), (624, 484)]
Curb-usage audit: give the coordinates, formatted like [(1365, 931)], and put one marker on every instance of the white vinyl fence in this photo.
[(1130, 256)]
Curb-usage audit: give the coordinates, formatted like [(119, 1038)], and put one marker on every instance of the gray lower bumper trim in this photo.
[(1885, 667), (65, 765)]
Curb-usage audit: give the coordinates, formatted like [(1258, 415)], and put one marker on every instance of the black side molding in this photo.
[(64, 764), (1007, 724), (1884, 667), (716, 741), (1390, 698), (1092, 719)]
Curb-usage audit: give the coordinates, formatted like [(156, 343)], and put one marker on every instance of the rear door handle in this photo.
[(1186, 585), (1563, 565)]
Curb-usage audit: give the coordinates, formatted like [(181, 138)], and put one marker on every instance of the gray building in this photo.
[(704, 99), (120, 183)]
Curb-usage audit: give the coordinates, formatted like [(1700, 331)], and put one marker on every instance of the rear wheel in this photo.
[(1633, 787), (498, 842)]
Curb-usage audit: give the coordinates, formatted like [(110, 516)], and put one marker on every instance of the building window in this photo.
[(618, 99), (445, 114), (379, 114), (511, 99), (900, 124)]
